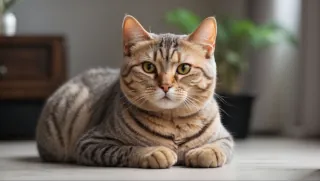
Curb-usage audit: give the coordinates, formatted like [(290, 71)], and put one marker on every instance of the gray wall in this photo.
[(309, 114), (275, 71), (93, 27)]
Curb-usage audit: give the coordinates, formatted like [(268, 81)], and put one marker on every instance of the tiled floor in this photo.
[(255, 159)]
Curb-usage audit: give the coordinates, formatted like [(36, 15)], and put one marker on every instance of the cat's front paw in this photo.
[(205, 157), (160, 157)]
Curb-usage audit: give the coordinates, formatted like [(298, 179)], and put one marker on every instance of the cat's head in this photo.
[(167, 71)]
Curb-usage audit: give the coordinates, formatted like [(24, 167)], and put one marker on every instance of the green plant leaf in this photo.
[(184, 19), (235, 37), (233, 58), (5, 5)]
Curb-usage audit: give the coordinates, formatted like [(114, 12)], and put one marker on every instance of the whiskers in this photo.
[(136, 101), (221, 99), (224, 102), (191, 103)]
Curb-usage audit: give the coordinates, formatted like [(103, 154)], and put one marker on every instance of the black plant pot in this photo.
[(236, 113)]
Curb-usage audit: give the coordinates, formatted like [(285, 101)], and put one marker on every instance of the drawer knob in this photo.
[(3, 70)]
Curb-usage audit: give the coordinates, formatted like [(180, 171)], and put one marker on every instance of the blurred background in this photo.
[(267, 54)]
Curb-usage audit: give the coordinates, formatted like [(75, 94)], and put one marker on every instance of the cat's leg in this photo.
[(103, 151), (216, 153)]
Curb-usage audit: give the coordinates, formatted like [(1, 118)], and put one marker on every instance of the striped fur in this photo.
[(111, 117)]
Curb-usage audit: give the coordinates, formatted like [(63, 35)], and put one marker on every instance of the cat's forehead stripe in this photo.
[(167, 48)]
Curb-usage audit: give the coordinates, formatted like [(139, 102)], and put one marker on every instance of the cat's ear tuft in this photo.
[(205, 34), (132, 32)]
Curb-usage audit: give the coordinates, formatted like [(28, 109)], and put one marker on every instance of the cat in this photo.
[(156, 111)]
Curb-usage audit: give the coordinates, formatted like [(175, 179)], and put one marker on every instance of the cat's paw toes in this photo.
[(207, 157), (160, 157)]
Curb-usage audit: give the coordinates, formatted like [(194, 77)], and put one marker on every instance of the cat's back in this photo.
[(67, 112)]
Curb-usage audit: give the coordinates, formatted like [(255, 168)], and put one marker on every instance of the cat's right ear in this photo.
[(205, 35), (132, 32)]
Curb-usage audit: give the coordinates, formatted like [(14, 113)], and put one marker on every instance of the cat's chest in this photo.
[(175, 131), (185, 131)]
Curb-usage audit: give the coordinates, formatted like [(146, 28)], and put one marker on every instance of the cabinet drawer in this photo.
[(31, 67), (25, 63)]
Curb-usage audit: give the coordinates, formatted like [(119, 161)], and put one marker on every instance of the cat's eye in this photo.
[(183, 68), (149, 67)]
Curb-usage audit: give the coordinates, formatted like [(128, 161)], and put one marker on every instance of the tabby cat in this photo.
[(157, 111)]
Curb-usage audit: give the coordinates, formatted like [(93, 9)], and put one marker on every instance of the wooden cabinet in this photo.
[(31, 67)]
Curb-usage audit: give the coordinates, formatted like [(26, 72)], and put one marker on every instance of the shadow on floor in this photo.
[(315, 175), (30, 159), (35, 160)]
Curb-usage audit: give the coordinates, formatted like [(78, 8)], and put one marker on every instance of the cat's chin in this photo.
[(166, 103)]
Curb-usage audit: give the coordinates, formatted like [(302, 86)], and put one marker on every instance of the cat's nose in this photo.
[(165, 87)]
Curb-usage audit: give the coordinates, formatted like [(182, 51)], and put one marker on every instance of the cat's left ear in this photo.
[(205, 35), (132, 32)]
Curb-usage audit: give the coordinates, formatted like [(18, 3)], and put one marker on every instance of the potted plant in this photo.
[(234, 40), (8, 21)]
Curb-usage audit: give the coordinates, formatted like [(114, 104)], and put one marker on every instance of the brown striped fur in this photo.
[(110, 117)]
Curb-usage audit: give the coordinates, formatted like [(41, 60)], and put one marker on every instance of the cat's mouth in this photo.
[(167, 102), (166, 98)]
